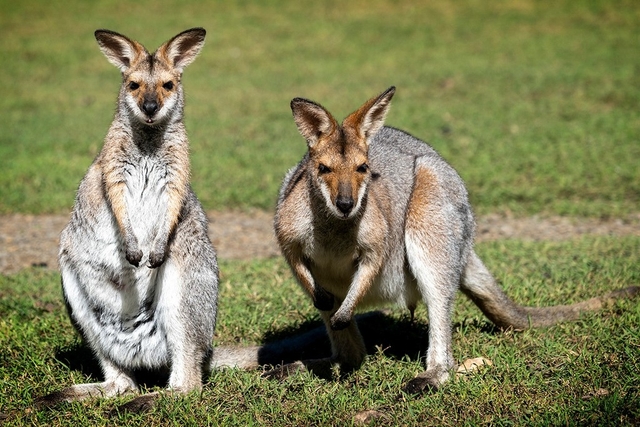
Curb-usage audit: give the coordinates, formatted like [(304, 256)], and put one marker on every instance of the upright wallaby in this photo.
[(372, 215), (139, 274)]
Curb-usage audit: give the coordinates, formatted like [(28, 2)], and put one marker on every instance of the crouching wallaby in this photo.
[(373, 215), (139, 274)]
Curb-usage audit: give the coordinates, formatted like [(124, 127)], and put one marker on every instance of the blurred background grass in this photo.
[(535, 103)]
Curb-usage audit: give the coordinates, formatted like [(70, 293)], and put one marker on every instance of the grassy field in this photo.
[(580, 373), (535, 103)]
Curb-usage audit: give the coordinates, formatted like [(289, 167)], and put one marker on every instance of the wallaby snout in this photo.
[(153, 101), (344, 204), (345, 201), (150, 105), (343, 189)]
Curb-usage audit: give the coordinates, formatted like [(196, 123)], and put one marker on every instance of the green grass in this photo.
[(552, 376), (535, 103)]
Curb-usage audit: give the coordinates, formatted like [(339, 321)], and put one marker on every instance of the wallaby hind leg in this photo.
[(347, 345), (432, 245), (188, 335), (189, 324), (187, 370), (438, 293)]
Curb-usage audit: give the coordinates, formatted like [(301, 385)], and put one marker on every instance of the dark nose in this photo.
[(344, 204), (150, 107)]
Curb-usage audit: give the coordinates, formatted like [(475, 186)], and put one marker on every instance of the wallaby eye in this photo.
[(322, 169), (363, 168), (168, 85), (133, 85)]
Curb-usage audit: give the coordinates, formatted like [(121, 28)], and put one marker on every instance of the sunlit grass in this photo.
[(578, 373)]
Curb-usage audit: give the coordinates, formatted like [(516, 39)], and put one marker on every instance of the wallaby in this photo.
[(373, 215), (139, 273)]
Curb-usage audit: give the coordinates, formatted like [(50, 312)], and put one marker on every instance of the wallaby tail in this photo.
[(479, 285), (307, 345), (235, 357)]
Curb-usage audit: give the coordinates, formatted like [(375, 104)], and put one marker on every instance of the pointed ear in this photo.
[(312, 120), (181, 50), (369, 118), (119, 50)]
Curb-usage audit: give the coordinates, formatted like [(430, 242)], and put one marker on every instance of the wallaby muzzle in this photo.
[(344, 201), (150, 106), (344, 204)]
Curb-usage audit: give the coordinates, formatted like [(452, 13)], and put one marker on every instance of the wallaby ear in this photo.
[(312, 120), (119, 50), (369, 118), (181, 50)]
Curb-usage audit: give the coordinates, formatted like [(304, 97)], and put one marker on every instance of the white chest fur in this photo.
[(146, 199)]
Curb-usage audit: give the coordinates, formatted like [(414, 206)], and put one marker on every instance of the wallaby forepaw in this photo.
[(340, 320), (156, 258), (158, 253), (134, 256), (322, 300)]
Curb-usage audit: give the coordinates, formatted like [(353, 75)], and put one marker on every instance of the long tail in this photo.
[(479, 285), (235, 357), (308, 345)]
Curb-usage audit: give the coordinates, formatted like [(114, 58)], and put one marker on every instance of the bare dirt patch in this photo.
[(32, 240)]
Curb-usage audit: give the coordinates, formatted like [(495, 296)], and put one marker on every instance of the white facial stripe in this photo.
[(324, 189), (361, 192)]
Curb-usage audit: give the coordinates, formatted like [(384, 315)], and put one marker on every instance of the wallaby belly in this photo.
[(334, 270), (122, 310)]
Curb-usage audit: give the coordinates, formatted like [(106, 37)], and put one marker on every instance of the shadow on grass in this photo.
[(396, 338)]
